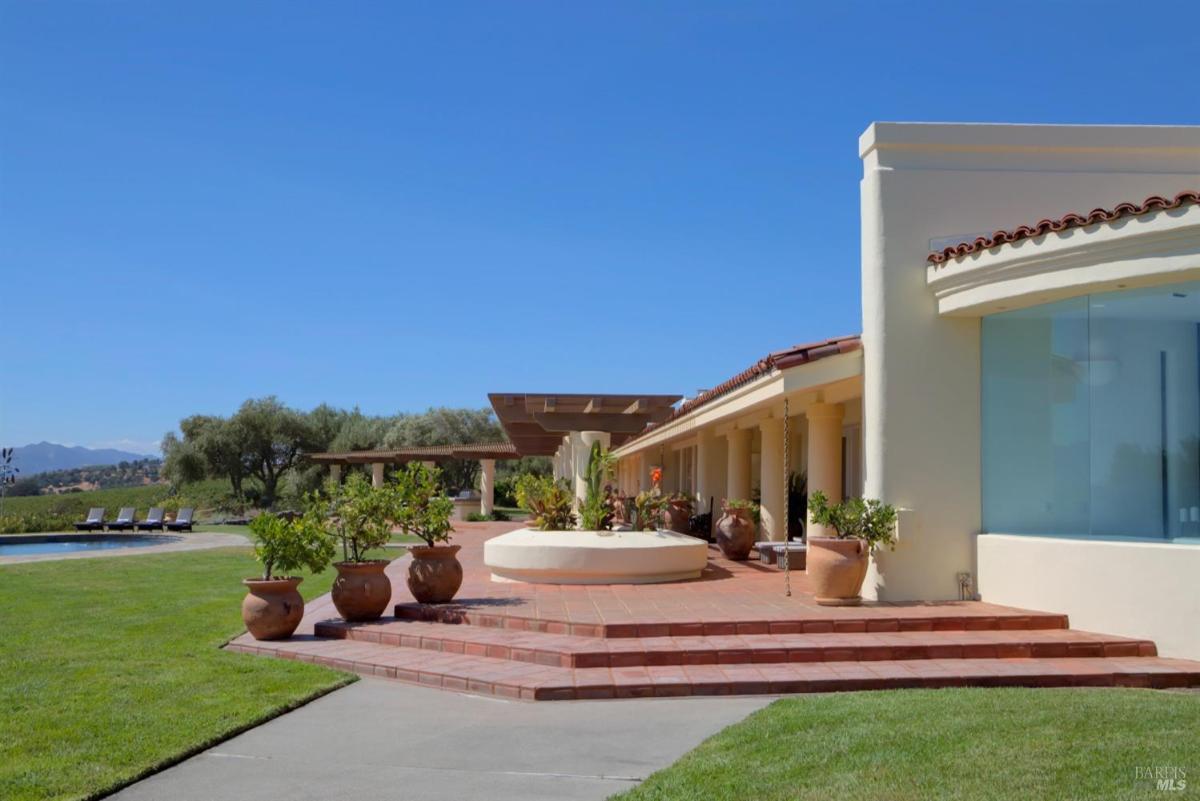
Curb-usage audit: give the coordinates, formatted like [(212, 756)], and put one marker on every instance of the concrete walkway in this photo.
[(384, 740)]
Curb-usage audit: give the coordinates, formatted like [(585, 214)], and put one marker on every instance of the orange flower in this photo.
[(656, 475)]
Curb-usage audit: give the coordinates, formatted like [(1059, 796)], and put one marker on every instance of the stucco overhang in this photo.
[(833, 378), (1159, 247)]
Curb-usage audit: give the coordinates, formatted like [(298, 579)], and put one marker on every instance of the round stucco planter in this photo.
[(594, 557), (836, 569), (272, 609)]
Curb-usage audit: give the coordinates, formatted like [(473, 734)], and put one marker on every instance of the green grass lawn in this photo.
[(110, 668), (968, 744)]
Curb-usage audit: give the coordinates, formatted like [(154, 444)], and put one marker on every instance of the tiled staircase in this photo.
[(539, 659)]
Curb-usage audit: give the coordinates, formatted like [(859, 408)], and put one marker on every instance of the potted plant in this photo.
[(421, 508), (676, 511), (361, 519), (648, 509), (548, 502), (596, 510), (736, 528), (837, 565), (272, 608)]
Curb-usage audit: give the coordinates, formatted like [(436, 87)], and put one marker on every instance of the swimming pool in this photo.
[(27, 546)]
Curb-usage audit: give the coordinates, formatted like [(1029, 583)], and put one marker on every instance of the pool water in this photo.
[(68, 546)]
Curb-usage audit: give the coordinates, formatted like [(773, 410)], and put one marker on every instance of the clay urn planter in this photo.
[(836, 568), (735, 532), (361, 590), (272, 608), (675, 515), (435, 573)]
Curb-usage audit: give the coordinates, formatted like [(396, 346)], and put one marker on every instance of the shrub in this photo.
[(360, 514), (36, 522), (596, 511), (739, 505), (548, 501), (855, 518), (505, 491), (480, 517), (647, 509), (289, 545), (419, 506)]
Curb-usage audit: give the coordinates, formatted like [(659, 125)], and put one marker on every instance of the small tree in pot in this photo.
[(360, 516), (420, 507), (273, 607), (837, 565), (736, 528)]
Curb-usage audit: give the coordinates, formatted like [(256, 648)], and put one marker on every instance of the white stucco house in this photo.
[(1026, 386)]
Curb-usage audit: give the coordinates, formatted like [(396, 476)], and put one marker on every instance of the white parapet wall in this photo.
[(1136, 589), (594, 557)]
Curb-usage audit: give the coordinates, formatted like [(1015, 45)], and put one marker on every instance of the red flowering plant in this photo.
[(648, 505)]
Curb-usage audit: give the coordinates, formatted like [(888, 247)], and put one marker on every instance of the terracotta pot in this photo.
[(836, 569), (735, 534), (272, 609), (435, 573), (675, 517), (361, 590)]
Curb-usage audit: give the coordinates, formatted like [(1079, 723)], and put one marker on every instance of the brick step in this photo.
[(925, 617), (510, 679), (568, 651)]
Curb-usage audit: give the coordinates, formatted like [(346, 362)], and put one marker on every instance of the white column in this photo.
[(771, 479), (737, 474), (644, 471), (377, 474), (705, 445), (824, 455), (335, 473), (487, 485), (578, 467)]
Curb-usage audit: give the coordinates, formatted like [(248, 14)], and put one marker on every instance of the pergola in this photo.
[(486, 453), (565, 425)]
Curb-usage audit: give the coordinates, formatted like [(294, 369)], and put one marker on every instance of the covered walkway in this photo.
[(486, 453)]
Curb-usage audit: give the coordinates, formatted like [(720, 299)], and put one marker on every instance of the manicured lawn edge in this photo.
[(344, 680), (965, 744)]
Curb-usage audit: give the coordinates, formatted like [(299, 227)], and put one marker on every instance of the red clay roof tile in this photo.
[(779, 360), (1072, 220)]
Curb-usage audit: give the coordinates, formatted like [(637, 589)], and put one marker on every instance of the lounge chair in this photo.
[(94, 522), (183, 521), (153, 521), (124, 521)]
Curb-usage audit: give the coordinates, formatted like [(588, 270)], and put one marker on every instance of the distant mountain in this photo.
[(46, 456)]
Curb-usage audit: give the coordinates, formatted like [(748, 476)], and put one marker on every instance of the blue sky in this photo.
[(399, 205)]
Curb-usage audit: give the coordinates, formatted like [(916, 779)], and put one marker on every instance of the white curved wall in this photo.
[(921, 423), (595, 557)]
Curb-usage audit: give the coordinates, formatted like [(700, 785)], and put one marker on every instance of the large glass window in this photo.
[(1091, 416)]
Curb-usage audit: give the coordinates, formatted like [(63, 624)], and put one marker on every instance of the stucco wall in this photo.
[(1134, 589), (921, 422)]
